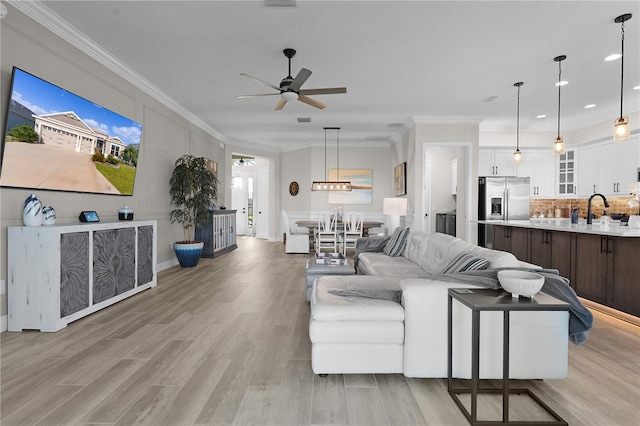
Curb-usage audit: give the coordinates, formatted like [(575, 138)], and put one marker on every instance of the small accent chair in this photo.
[(326, 235), (352, 231), (297, 238)]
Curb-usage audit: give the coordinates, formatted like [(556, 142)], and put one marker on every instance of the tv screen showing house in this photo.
[(56, 140)]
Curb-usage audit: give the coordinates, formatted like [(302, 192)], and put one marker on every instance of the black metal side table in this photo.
[(494, 300)]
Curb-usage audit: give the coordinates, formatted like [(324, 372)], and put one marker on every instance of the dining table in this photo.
[(366, 225)]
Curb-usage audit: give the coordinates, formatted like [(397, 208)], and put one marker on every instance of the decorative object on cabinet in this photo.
[(48, 215), (621, 130), (400, 179), (332, 184), (58, 274), (294, 188), (558, 145), (125, 213), (218, 234), (192, 187), (32, 211), (517, 155)]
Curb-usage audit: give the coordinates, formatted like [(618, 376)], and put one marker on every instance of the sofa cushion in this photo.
[(382, 265), (395, 246), (326, 306), (465, 261)]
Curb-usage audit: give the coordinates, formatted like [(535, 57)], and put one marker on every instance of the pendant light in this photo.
[(558, 145), (327, 185), (621, 131), (517, 156)]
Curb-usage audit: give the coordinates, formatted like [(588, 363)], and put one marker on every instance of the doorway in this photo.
[(447, 166)]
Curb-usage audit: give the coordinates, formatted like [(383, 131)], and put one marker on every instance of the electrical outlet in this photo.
[(171, 245)]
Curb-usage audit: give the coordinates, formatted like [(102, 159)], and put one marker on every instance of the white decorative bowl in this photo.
[(520, 283)]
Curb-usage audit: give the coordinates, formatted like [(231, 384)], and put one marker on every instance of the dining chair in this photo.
[(352, 230), (326, 235)]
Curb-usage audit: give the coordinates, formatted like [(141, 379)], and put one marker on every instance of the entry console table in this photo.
[(495, 300), (219, 234), (58, 274)]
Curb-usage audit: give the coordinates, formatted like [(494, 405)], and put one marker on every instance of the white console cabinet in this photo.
[(58, 274)]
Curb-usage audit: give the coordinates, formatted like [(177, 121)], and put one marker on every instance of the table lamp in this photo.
[(394, 208)]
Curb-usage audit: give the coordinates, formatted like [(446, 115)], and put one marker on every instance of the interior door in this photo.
[(426, 197), (240, 199), (261, 211)]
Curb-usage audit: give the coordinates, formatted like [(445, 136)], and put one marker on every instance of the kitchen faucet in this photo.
[(606, 204)]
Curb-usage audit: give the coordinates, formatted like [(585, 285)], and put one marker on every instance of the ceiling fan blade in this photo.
[(256, 96), (281, 103), (324, 91), (297, 82), (312, 102), (260, 81)]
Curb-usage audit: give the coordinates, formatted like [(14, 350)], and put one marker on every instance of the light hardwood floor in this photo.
[(227, 343)]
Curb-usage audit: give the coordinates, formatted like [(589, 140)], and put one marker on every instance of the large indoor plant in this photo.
[(193, 187)]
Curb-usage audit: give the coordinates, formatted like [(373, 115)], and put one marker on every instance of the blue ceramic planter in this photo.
[(188, 254)]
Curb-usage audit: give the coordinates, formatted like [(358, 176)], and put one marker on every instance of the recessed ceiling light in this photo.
[(561, 83), (590, 106), (541, 116), (490, 99), (304, 120), (613, 57), (636, 88)]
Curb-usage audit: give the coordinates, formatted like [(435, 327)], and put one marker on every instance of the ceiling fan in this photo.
[(290, 88)]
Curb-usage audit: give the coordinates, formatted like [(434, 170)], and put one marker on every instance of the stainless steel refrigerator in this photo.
[(501, 198)]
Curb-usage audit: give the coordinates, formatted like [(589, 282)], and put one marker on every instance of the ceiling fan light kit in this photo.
[(289, 88), (327, 185), (621, 130)]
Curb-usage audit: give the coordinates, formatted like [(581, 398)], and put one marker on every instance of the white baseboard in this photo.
[(168, 264)]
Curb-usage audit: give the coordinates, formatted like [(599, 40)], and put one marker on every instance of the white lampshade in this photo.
[(394, 206)]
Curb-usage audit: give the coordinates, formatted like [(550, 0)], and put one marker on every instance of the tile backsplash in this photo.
[(546, 206)]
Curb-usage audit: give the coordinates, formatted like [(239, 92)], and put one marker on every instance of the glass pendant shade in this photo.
[(558, 146), (621, 130), (517, 156)]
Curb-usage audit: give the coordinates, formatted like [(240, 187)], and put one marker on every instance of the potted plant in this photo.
[(192, 188)]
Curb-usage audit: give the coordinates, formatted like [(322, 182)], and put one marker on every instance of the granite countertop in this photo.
[(614, 229)]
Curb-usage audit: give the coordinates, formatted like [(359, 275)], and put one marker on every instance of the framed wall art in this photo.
[(400, 179), (361, 183)]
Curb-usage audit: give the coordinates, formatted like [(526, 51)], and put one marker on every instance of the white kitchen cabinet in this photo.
[(588, 170), (617, 166), (566, 173), (539, 165), (496, 162), (60, 273)]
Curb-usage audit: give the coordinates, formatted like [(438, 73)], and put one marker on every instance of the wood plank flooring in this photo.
[(226, 343)]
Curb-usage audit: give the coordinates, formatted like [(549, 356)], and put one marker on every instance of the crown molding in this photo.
[(48, 19)]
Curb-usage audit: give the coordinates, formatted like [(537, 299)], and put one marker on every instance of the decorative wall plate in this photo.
[(293, 188)]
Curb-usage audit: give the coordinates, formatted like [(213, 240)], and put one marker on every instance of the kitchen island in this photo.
[(599, 260)]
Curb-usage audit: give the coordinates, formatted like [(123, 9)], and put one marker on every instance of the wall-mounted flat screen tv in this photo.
[(56, 140)]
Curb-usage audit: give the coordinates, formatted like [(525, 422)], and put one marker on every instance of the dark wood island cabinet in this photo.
[(600, 265)]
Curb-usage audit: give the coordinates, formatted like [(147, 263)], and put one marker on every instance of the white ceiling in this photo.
[(434, 61)]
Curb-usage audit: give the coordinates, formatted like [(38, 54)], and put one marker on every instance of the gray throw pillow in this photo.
[(397, 242), (465, 261)]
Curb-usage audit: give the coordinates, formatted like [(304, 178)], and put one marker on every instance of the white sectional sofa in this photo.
[(368, 333)]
